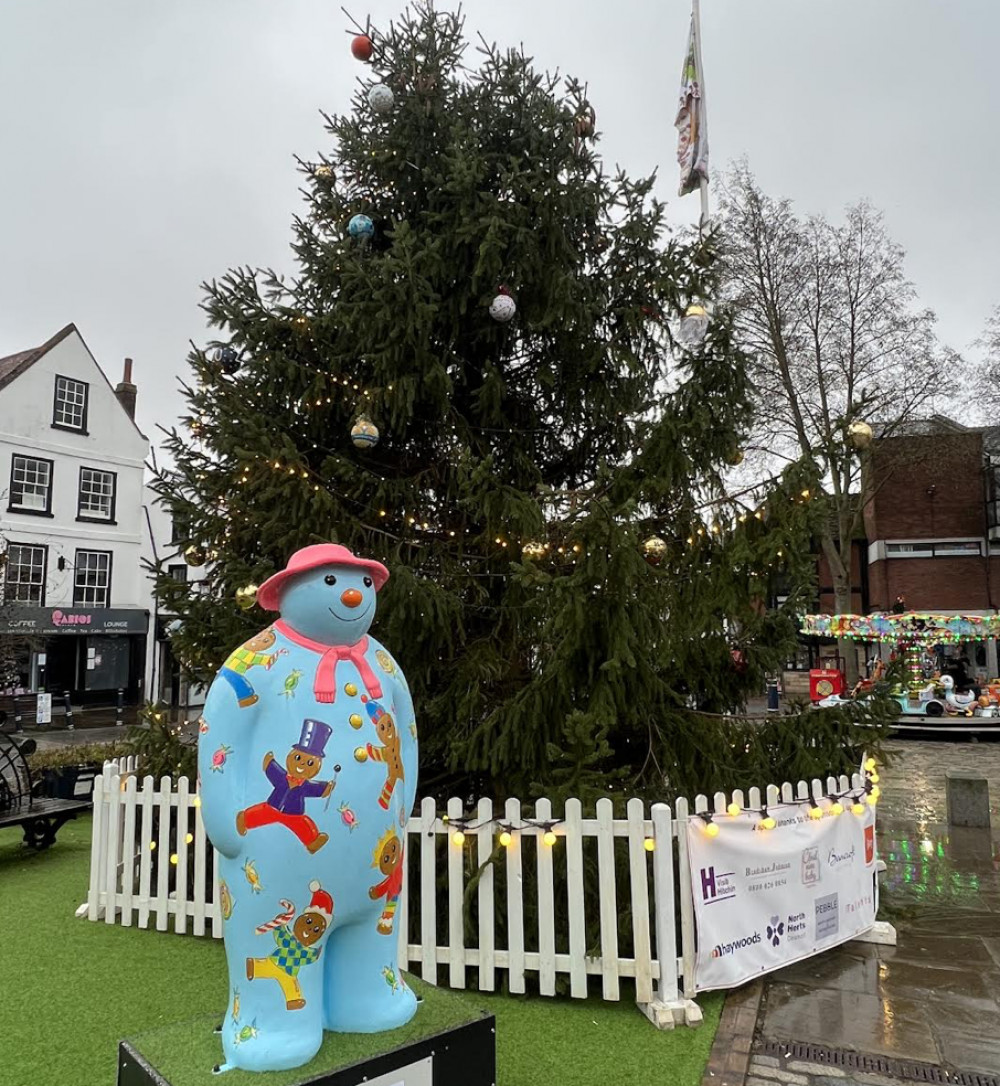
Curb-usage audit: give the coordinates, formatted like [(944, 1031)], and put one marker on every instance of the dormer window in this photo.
[(70, 409)]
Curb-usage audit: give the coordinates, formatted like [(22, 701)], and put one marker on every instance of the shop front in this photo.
[(90, 652)]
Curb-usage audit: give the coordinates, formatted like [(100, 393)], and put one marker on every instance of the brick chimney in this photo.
[(126, 391)]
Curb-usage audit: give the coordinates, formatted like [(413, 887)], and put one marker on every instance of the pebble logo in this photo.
[(775, 930), (869, 844), (827, 916), (716, 885), (724, 949), (811, 869)]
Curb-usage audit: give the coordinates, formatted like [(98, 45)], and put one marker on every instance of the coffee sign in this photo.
[(75, 620)]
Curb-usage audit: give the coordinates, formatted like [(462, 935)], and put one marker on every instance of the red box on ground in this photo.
[(824, 681)]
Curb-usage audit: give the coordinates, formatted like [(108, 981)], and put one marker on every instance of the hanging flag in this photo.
[(692, 133)]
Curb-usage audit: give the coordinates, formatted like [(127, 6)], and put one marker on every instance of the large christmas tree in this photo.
[(572, 592)]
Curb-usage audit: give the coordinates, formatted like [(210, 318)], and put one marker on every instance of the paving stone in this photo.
[(807, 1068), (776, 1074), (841, 1019), (754, 1081), (764, 1061), (870, 1079)]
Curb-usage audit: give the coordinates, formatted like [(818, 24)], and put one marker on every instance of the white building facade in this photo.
[(73, 524), (165, 684)]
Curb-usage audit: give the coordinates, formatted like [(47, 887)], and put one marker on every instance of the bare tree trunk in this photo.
[(846, 646)]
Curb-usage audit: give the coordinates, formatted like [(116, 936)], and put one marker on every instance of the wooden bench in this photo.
[(41, 817)]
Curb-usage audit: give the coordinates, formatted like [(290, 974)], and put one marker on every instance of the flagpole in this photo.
[(703, 185)]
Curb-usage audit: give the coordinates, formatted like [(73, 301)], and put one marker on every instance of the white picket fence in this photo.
[(135, 876)]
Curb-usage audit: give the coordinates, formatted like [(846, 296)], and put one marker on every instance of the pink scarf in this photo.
[(325, 683)]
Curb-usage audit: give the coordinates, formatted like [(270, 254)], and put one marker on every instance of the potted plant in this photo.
[(56, 771)]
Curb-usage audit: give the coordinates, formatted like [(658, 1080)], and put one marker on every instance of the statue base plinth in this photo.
[(449, 1042)]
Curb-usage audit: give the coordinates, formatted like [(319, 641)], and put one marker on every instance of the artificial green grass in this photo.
[(184, 1052), (71, 989)]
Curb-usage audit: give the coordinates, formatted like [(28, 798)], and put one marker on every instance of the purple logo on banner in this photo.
[(716, 885)]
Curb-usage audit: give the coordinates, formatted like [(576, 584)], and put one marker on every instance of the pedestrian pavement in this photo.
[(933, 1000)]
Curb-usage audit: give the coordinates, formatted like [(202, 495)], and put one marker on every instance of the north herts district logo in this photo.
[(795, 926), (775, 930), (716, 885), (827, 916), (811, 870), (869, 844), (724, 949)]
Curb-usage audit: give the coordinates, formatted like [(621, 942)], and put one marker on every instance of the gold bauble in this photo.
[(654, 548), (246, 597), (860, 435), (735, 458), (533, 550), (194, 555), (323, 172), (364, 433)]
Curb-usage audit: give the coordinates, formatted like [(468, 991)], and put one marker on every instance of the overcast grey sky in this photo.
[(147, 145)]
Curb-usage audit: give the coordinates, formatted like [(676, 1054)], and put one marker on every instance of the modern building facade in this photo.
[(931, 523), (72, 462)]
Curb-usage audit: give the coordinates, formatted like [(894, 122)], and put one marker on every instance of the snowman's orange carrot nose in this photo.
[(351, 597)]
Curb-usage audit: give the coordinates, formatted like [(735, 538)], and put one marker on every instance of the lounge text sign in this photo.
[(765, 898), (74, 620)]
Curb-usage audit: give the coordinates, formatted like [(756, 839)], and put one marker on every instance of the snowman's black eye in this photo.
[(330, 579), (368, 582)]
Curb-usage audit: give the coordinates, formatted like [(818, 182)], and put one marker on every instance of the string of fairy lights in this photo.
[(460, 827)]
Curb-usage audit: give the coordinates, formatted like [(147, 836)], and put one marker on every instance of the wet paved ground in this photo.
[(936, 996)]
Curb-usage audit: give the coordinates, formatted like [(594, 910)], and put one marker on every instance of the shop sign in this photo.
[(73, 620)]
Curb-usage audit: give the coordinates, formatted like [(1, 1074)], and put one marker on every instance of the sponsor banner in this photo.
[(765, 898)]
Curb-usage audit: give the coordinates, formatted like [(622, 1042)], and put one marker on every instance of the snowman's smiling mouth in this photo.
[(356, 618)]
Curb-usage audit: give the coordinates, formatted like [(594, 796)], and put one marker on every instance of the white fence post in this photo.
[(428, 891), (576, 903), (609, 898), (456, 888), (487, 929), (515, 904), (98, 843)]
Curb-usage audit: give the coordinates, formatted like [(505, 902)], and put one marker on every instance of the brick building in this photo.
[(931, 522), (932, 535)]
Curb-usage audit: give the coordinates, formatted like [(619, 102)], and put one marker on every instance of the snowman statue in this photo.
[(307, 758)]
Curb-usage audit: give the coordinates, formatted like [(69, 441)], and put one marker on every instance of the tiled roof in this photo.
[(15, 364)]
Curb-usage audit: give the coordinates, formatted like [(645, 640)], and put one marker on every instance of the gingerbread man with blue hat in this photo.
[(287, 802)]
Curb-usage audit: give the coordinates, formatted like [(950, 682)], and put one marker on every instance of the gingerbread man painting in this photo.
[(389, 860), (389, 753), (292, 787), (252, 654)]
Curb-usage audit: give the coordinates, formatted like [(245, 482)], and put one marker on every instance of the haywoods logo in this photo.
[(724, 949), (717, 885), (838, 859)]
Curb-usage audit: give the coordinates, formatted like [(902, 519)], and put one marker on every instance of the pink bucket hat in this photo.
[(320, 554)]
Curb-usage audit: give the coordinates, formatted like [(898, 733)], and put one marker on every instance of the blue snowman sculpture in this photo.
[(307, 763)]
